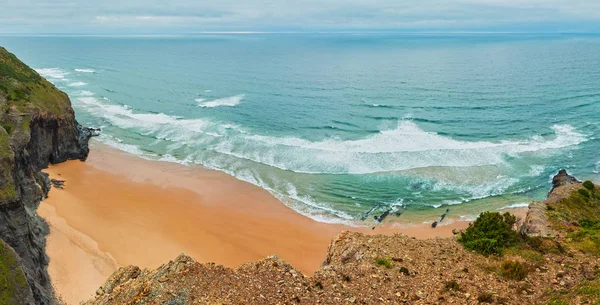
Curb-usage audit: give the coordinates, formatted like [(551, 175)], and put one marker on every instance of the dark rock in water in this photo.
[(59, 184), (563, 178), (37, 128), (364, 217)]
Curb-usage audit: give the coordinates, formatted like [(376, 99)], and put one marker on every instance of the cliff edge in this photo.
[(37, 128)]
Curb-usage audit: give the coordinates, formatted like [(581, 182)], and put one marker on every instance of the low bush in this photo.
[(588, 185), (490, 233), (513, 270), (384, 262)]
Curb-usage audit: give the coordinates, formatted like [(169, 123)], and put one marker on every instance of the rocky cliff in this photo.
[(37, 128)]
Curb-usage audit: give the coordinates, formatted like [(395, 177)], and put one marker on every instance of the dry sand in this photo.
[(117, 210)]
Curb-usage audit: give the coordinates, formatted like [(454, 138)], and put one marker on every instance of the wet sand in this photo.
[(118, 210)]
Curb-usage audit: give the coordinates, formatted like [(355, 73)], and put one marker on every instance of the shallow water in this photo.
[(336, 124)]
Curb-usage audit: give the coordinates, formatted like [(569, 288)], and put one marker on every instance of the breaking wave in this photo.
[(77, 84), (404, 148), (85, 70), (228, 101), (52, 73)]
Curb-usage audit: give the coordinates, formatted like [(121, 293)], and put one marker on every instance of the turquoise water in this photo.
[(334, 125)]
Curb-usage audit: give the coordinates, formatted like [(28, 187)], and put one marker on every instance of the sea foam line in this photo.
[(85, 70), (228, 101), (52, 73), (404, 148)]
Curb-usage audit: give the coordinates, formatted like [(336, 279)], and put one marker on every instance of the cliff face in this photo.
[(37, 127)]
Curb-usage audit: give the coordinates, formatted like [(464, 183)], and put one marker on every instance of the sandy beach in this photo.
[(117, 210)]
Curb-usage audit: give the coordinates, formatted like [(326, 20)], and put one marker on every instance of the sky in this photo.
[(192, 16)]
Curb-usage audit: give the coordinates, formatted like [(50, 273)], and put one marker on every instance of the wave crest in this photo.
[(228, 101), (404, 148)]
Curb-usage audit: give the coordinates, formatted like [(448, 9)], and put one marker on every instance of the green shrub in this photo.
[(588, 185), (585, 194), (384, 262), (513, 270), (490, 232)]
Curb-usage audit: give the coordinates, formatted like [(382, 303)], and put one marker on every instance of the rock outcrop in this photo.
[(536, 221), (359, 269), (37, 128), (562, 179)]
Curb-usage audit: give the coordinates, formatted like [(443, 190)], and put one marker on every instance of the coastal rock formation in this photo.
[(37, 128), (536, 222), (562, 179)]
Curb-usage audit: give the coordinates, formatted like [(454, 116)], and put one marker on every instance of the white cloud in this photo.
[(190, 15)]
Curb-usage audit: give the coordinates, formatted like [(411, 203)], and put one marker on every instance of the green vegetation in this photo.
[(579, 217), (513, 270), (384, 262), (490, 233), (25, 89), (586, 292), (12, 278), (588, 185), (7, 189)]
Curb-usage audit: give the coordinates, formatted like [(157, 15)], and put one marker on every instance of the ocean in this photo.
[(338, 125)]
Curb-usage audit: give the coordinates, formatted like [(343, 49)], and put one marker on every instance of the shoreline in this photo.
[(117, 209)]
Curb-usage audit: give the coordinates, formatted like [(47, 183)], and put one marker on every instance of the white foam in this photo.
[(515, 205), (84, 93), (403, 148), (228, 101), (52, 73), (118, 144), (199, 100), (85, 70), (536, 170), (597, 169), (77, 84)]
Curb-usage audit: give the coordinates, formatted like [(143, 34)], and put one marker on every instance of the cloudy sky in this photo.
[(189, 16)]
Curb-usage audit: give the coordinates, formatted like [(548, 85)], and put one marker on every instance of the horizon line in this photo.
[(289, 33)]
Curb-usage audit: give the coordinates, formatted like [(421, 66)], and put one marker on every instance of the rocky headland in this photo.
[(37, 128)]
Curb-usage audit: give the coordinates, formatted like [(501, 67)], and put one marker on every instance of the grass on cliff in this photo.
[(586, 292), (7, 189), (578, 217), (12, 278), (23, 88)]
